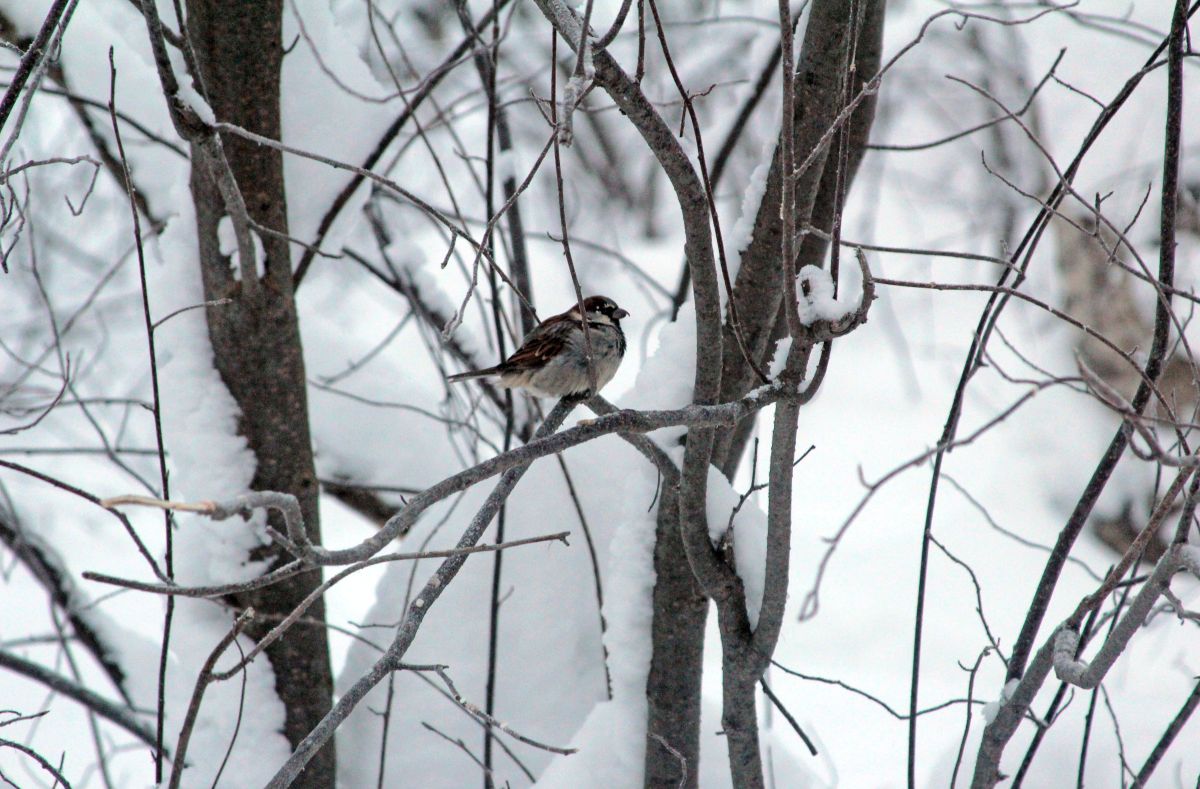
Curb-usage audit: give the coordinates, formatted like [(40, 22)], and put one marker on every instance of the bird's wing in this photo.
[(543, 343)]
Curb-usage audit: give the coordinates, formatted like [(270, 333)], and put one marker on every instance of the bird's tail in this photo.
[(467, 376)]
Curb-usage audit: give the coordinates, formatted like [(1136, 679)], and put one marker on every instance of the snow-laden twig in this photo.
[(574, 91), (579, 83), (628, 422), (1054, 654), (825, 316), (624, 421), (199, 128), (1070, 532)]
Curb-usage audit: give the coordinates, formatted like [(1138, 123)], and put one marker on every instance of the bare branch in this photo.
[(203, 680), (1088, 674), (41, 760), (32, 59), (392, 659), (116, 713)]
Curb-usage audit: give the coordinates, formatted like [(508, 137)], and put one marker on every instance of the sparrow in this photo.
[(552, 362)]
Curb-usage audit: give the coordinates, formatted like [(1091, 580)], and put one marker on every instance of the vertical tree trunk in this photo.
[(818, 100), (680, 609), (256, 340), (739, 712), (673, 687)]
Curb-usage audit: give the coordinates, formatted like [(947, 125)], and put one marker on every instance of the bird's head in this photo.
[(602, 309)]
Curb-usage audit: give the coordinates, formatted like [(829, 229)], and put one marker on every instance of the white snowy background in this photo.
[(883, 403)]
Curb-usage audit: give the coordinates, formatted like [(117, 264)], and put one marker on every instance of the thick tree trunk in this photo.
[(673, 688), (739, 715), (256, 337), (818, 100)]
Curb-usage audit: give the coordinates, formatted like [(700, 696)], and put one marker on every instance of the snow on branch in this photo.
[(511, 464), (824, 312), (193, 119), (296, 540), (1059, 651)]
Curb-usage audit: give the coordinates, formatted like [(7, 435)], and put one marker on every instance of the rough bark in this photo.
[(679, 612), (675, 720), (256, 338), (759, 284), (673, 686), (739, 712)]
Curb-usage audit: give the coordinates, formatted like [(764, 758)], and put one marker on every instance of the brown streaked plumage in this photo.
[(552, 362)]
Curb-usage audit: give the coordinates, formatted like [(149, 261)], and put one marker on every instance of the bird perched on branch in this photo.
[(553, 360)]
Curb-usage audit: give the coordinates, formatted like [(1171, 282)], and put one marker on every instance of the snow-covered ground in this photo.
[(883, 403)]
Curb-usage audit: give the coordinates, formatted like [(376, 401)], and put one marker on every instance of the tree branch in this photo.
[(120, 715), (392, 659)]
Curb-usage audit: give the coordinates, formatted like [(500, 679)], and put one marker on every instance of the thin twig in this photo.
[(120, 715), (808, 743), (55, 772), (392, 659), (203, 680), (297, 567), (1168, 737)]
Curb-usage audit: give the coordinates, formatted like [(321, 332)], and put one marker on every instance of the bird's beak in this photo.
[(619, 313)]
